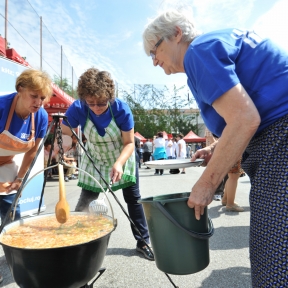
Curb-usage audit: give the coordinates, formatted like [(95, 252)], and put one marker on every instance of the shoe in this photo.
[(66, 179), (1, 278), (161, 175), (234, 208), (148, 168), (183, 172), (156, 173), (73, 177), (146, 252), (217, 197)]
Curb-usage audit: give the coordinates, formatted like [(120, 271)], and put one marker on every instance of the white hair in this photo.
[(164, 25)]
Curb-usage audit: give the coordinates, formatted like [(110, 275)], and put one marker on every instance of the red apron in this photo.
[(9, 147)]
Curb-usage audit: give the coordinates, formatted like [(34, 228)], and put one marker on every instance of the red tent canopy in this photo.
[(59, 102), (139, 136), (167, 136), (192, 137)]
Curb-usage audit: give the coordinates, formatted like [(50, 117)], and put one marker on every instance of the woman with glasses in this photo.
[(239, 82), (108, 125)]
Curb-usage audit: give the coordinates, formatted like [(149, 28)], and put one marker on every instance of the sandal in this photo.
[(234, 208)]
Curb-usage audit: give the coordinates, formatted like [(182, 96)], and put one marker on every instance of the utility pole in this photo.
[(6, 23), (41, 55)]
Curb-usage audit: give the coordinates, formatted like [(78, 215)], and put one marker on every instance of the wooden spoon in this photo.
[(62, 209)]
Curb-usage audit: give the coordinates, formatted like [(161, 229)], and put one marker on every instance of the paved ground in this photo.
[(229, 260)]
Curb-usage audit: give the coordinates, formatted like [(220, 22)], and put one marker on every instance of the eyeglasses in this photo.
[(96, 104), (153, 52)]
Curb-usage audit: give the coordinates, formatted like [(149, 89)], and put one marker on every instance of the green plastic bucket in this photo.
[(180, 242)]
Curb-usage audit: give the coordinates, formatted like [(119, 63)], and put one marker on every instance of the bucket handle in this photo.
[(194, 234)]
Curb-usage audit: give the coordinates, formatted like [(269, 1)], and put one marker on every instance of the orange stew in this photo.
[(46, 232)]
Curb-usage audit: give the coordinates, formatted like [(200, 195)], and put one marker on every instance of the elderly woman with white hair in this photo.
[(239, 82)]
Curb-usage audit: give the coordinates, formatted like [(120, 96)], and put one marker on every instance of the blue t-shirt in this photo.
[(215, 62), (18, 128), (77, 115)]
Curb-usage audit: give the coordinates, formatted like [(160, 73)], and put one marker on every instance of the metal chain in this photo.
[(59, 142)]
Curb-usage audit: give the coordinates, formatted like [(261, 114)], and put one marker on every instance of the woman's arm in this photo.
[(66, 130), (242, 121), (128, 148), (26, 162)]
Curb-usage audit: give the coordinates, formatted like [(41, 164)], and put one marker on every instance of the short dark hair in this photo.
[(160, 134)]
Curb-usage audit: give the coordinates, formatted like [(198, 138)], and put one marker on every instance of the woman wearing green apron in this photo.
[(107, 123)]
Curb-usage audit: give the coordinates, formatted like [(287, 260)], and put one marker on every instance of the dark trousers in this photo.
[(146, 156), (159, 171), (131, 195), (5, 204)]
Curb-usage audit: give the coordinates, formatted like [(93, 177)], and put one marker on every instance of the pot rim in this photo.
[(22, 221)]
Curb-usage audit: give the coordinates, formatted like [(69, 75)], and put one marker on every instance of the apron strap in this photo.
[(12, 109)]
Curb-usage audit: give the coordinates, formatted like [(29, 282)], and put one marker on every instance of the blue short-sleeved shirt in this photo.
[(215, 62), (77, 115), (18, 128)]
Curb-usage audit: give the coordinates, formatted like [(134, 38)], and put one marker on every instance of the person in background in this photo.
[(141, 154), (188, 151), (23, 124), (137, 150), (159, 151), (147, 151), (108, 125), (248, 111), (174, 153), (228, 199), (181, 149), (47, 148), (169, 148)]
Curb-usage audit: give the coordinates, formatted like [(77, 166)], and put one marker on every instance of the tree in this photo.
[(65, 86), (158, 110)]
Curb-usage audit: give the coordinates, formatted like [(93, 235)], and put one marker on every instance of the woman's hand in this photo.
[(201, 196), (205, 153), (116, 172), (15, 185)]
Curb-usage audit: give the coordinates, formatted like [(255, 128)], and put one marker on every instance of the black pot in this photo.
[(64, 267)]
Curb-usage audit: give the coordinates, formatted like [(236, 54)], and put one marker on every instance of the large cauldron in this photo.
[(65, 267)]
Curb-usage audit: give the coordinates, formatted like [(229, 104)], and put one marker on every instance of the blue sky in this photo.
[(107, 34)]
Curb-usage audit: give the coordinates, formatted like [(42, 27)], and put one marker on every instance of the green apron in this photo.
[(104, 152)]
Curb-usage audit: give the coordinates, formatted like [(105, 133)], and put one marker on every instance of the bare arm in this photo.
[(26, 162), (242, 120), (66, 130), (128, 148)]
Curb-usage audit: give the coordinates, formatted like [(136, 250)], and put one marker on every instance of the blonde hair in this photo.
[(35, 80), (164, 25)]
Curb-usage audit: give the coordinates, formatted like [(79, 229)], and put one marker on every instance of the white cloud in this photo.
[(274, 24)]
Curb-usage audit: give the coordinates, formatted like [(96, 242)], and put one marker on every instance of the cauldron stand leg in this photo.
[(101, 271)]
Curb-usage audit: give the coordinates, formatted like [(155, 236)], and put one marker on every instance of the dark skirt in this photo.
[(266, 163)]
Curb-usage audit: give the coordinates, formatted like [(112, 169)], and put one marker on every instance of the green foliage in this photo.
[(159, 110), (65, 86)]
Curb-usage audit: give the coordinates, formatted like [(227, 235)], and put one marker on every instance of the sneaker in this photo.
[(217, 197), (183, 172), (73, 177), (146, 252), (66, 179)]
